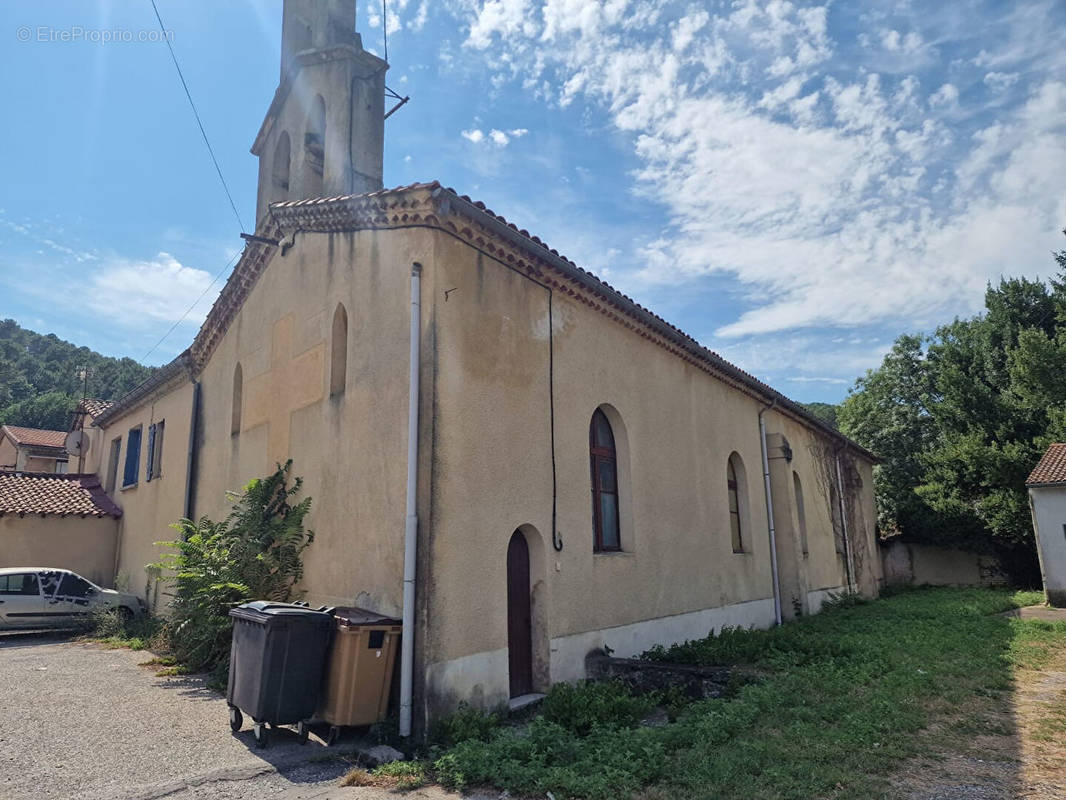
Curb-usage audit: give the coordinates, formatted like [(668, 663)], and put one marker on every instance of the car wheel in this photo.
[(125, 614)]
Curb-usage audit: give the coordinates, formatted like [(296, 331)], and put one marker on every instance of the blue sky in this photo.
[(794, 184)]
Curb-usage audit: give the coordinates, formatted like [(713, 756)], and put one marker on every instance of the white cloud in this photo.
[(143, 294), (494, 136), (834, 194)]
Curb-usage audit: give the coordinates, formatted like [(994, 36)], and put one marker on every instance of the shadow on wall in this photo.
[(907, 563)]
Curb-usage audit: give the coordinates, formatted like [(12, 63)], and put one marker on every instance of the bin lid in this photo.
[(272, 608), (353, 616)]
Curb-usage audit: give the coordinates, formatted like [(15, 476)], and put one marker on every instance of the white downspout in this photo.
[(848, 564), (770, 514), (410, 541)]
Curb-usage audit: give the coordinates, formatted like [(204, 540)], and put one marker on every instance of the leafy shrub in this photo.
[(255, 553), (464, 724), (112, 627), (586, 705)]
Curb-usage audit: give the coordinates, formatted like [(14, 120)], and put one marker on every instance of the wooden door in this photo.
[(519, 617)]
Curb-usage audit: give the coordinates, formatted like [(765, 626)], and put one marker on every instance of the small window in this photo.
[(604, 467), (736, 527), (49, 581), (61, 467), (112, 464), (338, 366), (801, 512), (155, 450), (238, 391), (133, 457), (21, 584)]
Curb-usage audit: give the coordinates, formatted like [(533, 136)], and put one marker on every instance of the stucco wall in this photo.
[(8, 453), (1049, 516), (926, 565), (149, 507), (350, 449), (85, 545), (675, 427)]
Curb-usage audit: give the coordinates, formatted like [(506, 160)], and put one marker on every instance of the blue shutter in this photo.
[(151, 452), (133, 457)]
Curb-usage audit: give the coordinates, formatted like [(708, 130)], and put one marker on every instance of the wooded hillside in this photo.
[(40, 381)]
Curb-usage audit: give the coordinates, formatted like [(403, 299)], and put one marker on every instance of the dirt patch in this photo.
[(1013, 746)]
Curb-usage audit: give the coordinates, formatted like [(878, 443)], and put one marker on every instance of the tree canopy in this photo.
[(961, 417), (40, 381)]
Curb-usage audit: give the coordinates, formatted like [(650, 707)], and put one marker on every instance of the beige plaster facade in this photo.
[(1048, 504), (85, 545)]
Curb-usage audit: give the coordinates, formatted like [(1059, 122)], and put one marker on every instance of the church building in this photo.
[(503, 450)]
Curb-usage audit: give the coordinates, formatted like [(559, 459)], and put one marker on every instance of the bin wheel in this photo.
[(302, 732), (236, 719), (261, 734), (334, 734)]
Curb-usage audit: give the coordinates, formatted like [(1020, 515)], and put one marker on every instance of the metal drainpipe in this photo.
[(410, 545), (770, 513), (190, 457), (848, 565)]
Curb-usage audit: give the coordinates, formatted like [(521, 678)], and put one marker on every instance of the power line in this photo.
[(196, 114), (188, 311)]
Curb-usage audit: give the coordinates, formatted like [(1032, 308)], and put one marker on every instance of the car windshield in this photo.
[(75, 586)]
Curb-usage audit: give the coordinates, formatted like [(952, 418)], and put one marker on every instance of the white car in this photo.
[(42, 597)]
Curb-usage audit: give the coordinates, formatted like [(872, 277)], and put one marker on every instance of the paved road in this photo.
[(79, 721)]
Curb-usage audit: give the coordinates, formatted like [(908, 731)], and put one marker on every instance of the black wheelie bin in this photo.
[(276, 665)]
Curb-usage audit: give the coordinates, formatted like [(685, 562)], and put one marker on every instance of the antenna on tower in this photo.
[(402, 101)]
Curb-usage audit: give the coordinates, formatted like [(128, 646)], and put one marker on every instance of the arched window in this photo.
[(280, 168), (801, 512), (315, 146), (338, 365), (604, 463), (737, 487), (238, 391)]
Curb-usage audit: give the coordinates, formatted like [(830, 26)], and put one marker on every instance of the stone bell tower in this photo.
[(324, 132)]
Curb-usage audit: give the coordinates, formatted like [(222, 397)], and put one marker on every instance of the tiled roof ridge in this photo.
[(46, 493), (429, 204), (1051, 468), (21, 434)]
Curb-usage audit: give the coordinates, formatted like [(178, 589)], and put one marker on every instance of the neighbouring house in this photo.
[(1047, 500), (64, 521), (33, 450), (545, 465)]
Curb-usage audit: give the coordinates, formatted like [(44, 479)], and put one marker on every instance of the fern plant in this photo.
[(254, 554)]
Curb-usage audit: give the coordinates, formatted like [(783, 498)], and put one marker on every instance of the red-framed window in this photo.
[(604, 466)]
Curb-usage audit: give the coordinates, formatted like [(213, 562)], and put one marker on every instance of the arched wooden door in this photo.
[(519, 617)]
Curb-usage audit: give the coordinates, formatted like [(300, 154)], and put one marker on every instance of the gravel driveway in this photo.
[(80, 721)]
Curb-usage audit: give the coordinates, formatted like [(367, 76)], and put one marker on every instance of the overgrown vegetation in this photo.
[(115, 629), (961, 417), (255, 553), (844, 699), (39, 377)]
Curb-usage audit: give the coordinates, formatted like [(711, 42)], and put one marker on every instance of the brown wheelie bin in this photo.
[(359, 669)]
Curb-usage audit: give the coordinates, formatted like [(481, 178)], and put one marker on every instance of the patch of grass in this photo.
[(402, 775), (111, 629), (844, 698)]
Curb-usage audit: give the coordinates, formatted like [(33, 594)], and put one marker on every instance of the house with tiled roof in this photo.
[(33, 449), (1047, 500), (63, 520), (502, 450)]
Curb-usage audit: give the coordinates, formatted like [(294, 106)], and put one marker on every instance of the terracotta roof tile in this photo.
[(1052, 467), (35, 437), (94, 407), (63, 495)]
